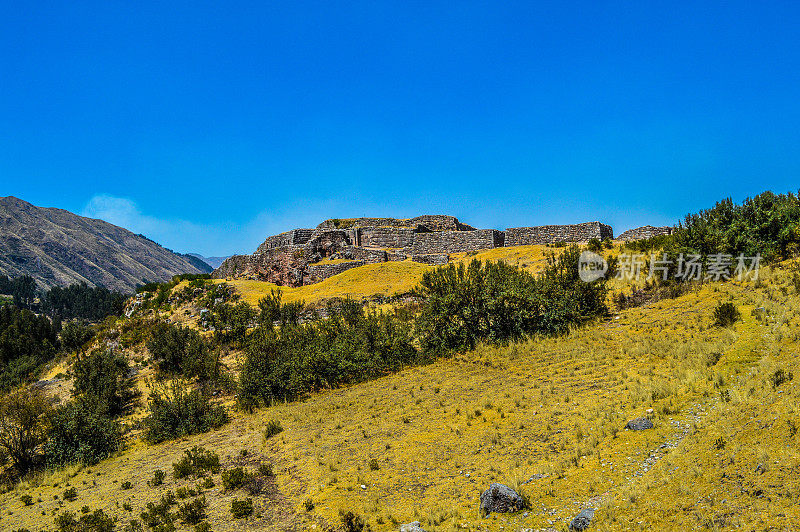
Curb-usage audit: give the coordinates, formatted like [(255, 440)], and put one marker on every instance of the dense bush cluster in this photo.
[(352, 345), (80, 434), (181, 351), (178, 412), (82, 301), (498, 303)]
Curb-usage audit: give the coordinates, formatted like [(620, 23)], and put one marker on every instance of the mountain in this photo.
[(214, 262), (57, 247)]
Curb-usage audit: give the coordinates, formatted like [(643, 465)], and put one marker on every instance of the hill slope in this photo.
[(57, 247)]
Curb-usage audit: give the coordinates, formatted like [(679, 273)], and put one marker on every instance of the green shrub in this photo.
[(352, 522), (126, 485), (235, 478), (181, 351), (157, 516), (177, 414), (97, 521), (193, 512), (350, 346), (779, 377), (308, 505), (595, 245), (70, 494), (197, 461), (103, 380), (273, 428), (158, 478), (80, 434), (265, 470), (241, 508), (499, 303), (726, 314), (202, 527), (27, 500), (373, 465)]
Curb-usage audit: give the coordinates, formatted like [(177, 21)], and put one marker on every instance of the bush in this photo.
[(126, 485), (351, 346), (181, 351), (27, 500), (158, 516), (235, 478), (352, 522), (70, 494), (103, 380), (158, 478), (80, 434), (197, 461), (726, 314), (180, 414), (193, 512), (273, 428), (780, 377), (24, 417), (241, 508), (97, 521), (27, 341), (499, 303), (202, 527), (595, 245)]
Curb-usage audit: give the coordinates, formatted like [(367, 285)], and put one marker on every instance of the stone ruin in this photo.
[(305, 256), (647, 231)]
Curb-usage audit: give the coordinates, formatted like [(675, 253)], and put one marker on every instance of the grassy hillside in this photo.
[(545, 416)]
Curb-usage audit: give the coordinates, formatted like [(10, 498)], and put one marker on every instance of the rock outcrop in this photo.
[(582, 520), (501, 499), (640, 423)]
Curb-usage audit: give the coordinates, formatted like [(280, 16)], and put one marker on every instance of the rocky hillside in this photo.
[(57, 247)]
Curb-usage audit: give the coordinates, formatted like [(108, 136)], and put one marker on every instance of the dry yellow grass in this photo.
[(551, 407)]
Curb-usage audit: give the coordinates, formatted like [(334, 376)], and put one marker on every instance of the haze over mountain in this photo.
[(57, 247), (214, 262)]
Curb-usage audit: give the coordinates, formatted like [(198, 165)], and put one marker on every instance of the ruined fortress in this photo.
[(305, 256)]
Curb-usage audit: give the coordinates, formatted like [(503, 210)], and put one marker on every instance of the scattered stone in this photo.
[(582, 520), (416, 526), (640, 423), (501, 499)]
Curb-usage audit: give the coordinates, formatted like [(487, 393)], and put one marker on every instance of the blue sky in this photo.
[(209, 125)]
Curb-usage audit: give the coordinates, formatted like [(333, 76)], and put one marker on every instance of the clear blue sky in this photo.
[(208, 125)]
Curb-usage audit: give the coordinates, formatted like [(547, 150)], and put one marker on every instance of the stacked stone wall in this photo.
[(295, 237), (435, 259), (319, 272), (551, 234), (457, 241), (384, 237)]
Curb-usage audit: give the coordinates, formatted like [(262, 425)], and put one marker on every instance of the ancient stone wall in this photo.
[(384, 237), (647, 231), (550, 234), (295, 237), (439, 222), (456, 241), (319, 272), (435, 259)]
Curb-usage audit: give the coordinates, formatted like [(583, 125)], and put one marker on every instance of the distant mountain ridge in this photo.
[(214, 262), (57, 247)]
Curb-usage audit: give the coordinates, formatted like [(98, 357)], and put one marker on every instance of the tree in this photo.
[(79, 433), (74, 335), (103, 381), (181, 351), (24, 421)]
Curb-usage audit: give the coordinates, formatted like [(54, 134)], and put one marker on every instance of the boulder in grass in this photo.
[(640, 423), (501, 499), (416, 526), (582, 520)]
